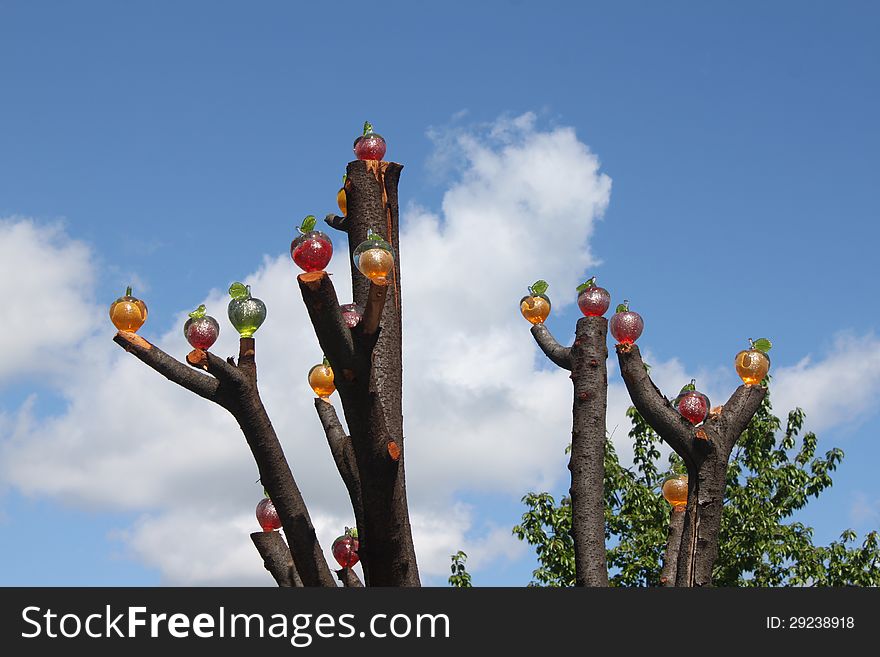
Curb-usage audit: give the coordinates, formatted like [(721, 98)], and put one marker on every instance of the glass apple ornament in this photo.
[(245, 312), (352, 314), (592, 299), (374, 258), (128, 313), (626, 325), (370, 145), (201, 330), (267, 516), (312, 250), (321, 379), (692, 404), (341, 199), (535, 306), (345, 548), (675, 491), (752, 364)]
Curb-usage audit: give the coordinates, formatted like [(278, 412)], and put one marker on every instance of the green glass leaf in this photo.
[(622, 307), (690, 386), (368, 127), (375, 237), (239, 291), (308, 224), (199, 312), (762, 344), (128, 291), (539, 287), (352, 531), (344, 178), (587, 284)]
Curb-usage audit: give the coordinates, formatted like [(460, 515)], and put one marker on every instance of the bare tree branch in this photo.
[(343, 453), (559, 355), (673, 544), (677, 432), (169, 367), (349, 578), (369, 323), (276, 558), (235, 390), (332, 332), (337, 222)]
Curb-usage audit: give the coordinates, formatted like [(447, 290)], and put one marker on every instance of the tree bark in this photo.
[(276, 558), (673, 544), (349, 578), (371, 383), (586, 359), (705, 450)]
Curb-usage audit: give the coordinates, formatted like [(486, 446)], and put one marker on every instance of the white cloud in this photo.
[(840, 389), (48, 310), (482, 410)]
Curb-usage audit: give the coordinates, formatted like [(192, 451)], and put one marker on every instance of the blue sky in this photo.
[(723, 166)]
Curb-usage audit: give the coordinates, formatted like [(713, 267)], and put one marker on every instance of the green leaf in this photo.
[(375, 237), (538, 287), (199, 312), (239, 291), (352, 531), (762, 344), (344, 178), (690, 386), (622, 307), (587, 284), (308, 224), (368, 127), (128, 291)]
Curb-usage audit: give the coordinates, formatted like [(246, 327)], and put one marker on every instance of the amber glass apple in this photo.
[(374, 258), (752, 364), (535, 306), (341, 200), (675, 491), (321, 379), (128, 313)]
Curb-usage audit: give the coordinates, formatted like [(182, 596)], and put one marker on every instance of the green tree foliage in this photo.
[(771, 475), (460, 577)]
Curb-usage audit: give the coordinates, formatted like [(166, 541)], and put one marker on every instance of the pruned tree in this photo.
[(367, 366), (363, 350), (772, 474), (692, 545)]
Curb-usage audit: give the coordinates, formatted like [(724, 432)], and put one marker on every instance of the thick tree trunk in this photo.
[(586, 359), (369, 359), (587, 463)]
